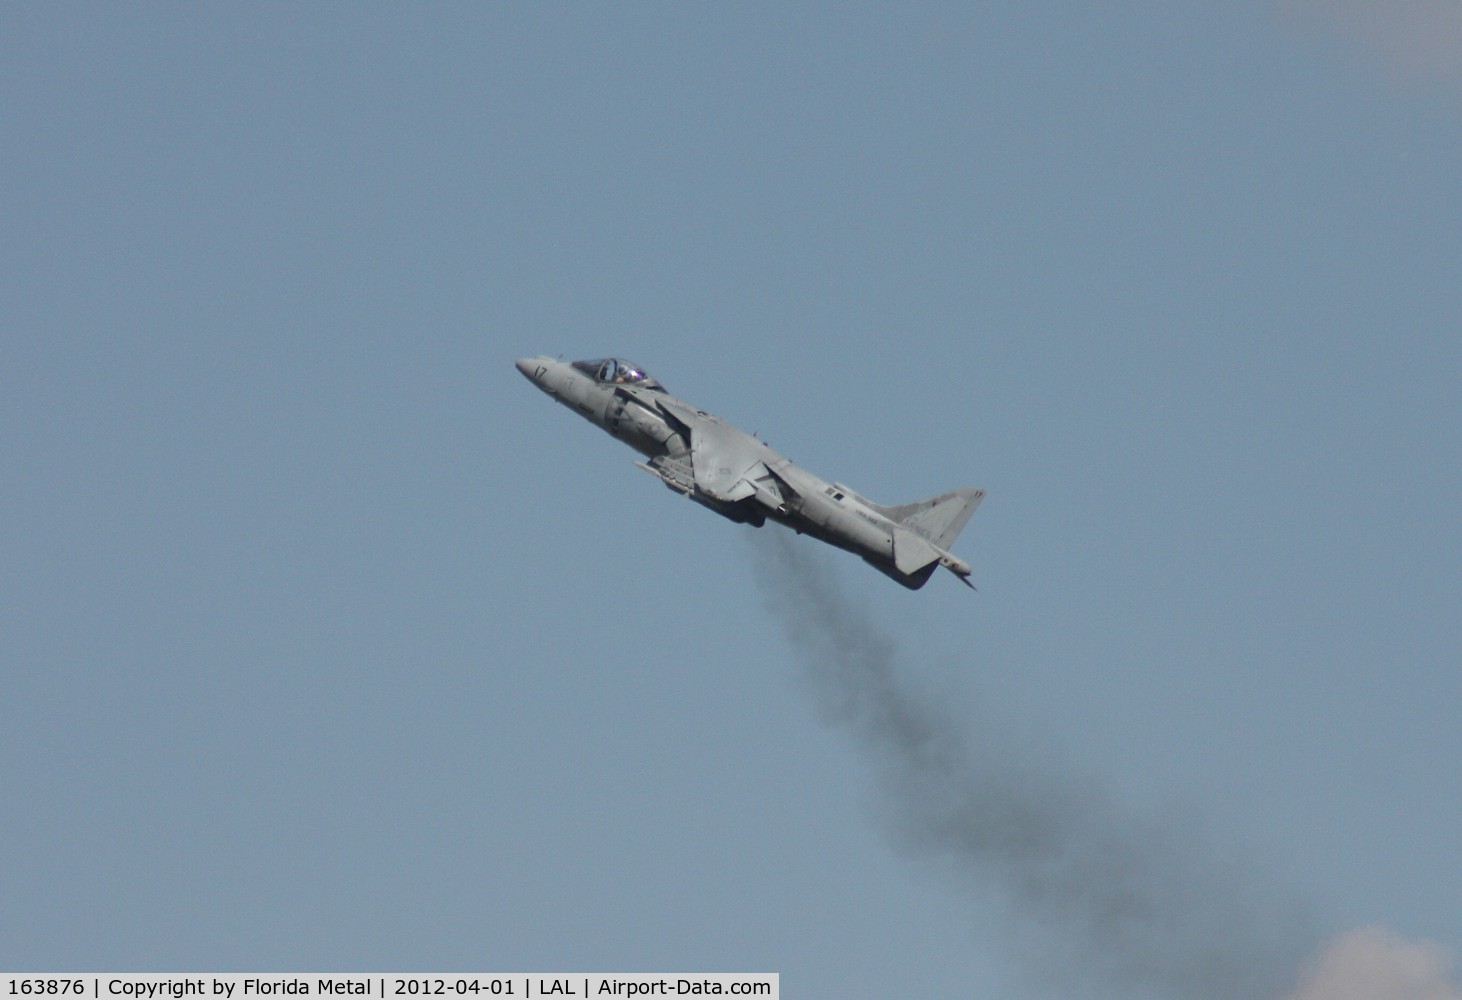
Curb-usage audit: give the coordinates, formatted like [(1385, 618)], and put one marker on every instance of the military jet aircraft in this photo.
[(738, 476)]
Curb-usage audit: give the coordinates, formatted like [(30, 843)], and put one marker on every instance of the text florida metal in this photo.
[(740, 477)]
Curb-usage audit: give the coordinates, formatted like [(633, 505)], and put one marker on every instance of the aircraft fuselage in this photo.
[(739, 476)]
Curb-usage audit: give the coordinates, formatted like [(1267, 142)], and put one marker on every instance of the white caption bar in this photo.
[(387, 986)]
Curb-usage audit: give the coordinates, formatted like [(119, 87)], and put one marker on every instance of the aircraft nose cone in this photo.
[(525, 365)]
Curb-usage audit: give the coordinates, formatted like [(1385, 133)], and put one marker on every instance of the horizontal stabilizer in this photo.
[(911, 553)]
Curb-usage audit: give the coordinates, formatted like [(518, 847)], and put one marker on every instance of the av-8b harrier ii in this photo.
[(740, 477)]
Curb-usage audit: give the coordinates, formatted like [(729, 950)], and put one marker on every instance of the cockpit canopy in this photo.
[(618, 371)]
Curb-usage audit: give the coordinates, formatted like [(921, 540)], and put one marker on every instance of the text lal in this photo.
[(680, 987)]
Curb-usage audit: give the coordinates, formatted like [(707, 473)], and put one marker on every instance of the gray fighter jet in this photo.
[(738, 476)]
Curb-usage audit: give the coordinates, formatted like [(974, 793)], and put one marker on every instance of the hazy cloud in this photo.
[(1417, 37), (1374, 964)]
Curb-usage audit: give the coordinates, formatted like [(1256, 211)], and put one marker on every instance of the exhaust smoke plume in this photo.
[(1108, 900)]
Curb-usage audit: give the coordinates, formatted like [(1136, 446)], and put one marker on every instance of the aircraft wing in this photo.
[(728, 464)]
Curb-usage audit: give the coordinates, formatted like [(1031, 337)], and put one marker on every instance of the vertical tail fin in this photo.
[(939, 519)]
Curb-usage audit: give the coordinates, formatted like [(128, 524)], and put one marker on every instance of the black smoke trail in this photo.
[(1100, 899)]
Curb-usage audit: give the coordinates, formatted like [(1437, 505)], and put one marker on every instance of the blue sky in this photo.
[(327, 642)]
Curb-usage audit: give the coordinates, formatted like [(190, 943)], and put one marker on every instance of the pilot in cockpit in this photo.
[(617, 371), (621, 372)]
